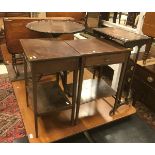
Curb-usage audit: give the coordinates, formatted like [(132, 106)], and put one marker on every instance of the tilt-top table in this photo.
[(56, 27)]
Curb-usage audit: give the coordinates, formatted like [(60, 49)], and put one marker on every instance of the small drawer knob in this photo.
[(150, 79)]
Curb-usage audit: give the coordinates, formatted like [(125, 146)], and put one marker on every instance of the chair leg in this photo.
[(14, 64)]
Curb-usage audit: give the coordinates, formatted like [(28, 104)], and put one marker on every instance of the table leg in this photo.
[(63, 76), (120, 86), (129, 96), (80, 80), (26, 80), (34, 86), (75, 75)]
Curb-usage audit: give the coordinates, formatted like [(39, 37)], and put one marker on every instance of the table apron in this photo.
[(53, 66), (105, 59)]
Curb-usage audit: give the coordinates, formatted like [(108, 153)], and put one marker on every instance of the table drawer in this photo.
[(53, 66), (145, 76), (104, 59)]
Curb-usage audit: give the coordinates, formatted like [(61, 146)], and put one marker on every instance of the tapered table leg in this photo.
[(34, 86), (80, 80), (120, 86), (26, 80), (75, 75)]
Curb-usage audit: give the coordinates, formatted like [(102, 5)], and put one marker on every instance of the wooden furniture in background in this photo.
[(128, 40), (15, 29), (93, 20), (55, 27), (48, 57), (78, 16), (144, 82), (15, 14), (149, 30)]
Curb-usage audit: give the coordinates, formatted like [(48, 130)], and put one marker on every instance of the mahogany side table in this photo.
[(95, 52), (45, 56)]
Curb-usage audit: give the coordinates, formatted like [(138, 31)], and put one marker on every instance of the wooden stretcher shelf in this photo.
[(50, 98), (57, 125), (93, 89)]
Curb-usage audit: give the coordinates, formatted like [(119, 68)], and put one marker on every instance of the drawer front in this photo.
[(53, 66), (93, 60), (145, 76)]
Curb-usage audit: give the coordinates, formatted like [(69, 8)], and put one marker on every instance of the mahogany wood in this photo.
[(47, 56), (78, 16), (55, 27), (56, 126), (149, 30), (101, 53), (149, 24), (126, 38), (15, 29)]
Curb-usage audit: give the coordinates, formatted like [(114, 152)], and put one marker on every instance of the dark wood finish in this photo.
[(95, 47), (126, 38), (99, 50), (78, 16), (55, 26), (47, 56), (50, 98), (144, 85), (131, 18), (15, 14), (144, 82), (46, 49), (149, 30), (56, 126), (15, 29)]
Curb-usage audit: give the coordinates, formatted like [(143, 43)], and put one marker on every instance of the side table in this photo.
[(95, 52), (47, 57)]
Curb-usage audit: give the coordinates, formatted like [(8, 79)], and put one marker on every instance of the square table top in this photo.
[(126, 37), (96, 46), (46, 49)]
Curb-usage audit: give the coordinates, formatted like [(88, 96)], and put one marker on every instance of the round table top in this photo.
[(56, 26)]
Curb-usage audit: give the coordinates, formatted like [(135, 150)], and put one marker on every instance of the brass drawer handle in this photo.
[(150, 79)]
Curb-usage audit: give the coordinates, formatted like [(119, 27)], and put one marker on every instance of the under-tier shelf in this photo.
[(93, 89), (50, 98)]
